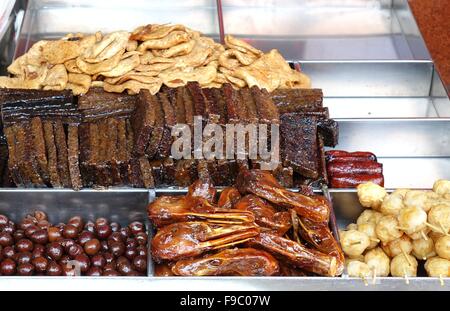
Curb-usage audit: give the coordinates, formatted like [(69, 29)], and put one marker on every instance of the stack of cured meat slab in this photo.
[(100, 139)]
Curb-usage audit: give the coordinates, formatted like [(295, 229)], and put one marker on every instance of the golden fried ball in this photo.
[(439, 217), (369, 229), (441, 187), (423, 249), (352, 227), (393, 203), (378, 261), (443, 247), (404, 265), (438, 267), (398, 246), (369, 216), (412, 219), (386, 229), (420, 234), (371, 195), (354, 243), (435, 235), (419, 198), (358, 269)]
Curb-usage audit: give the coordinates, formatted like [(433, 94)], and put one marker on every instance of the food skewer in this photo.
[(437, 228), (406, 256), (406, 275)]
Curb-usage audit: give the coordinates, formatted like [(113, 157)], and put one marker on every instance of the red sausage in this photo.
[(357, 167), (334, 154), (351, 181)]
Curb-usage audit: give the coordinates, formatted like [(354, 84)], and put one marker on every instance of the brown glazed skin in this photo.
[(233, 262), (297, 254), (228, 197), (188, 239), (266, 215), (351, 180), (320, 236), (170, 209), (263, 184), (163, 270)]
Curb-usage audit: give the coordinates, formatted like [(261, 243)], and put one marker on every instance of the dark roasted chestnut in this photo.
[(40, 237), (24, 245), (141, 238), (103, 231), (84, 262), (54, 269), (98, 261), (22, 258), (92, 247), (18, 235), (123, 266), (94, 271), (8, 267), (40, 264), (84, 237), (26, 269), (54, 234), (8, 252), (75, 250), (3, 220), (117, 248), (54, 251), (6, 239), (140, 263), (136, 227), (70, 232)]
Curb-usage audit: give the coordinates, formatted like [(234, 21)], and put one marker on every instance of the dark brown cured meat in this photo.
[(158, 128), (188, 106), (285, 176), (179, 105), (112, 151), (198, 98), (134, 173), (13, 165), (329, 131), (231, 102), (300, 154), (38, 144), (250, 105), (212, 108), (165, 145), (143, 122), (267, 111), (73, 157), (123, 156), (52, 157), (97, 104), (62, 154), (86, 170), (146, 173), (295, 100), (27, 164), (221, 106), (103, 167)]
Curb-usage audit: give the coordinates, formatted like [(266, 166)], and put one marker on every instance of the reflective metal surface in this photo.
[(328, 29)]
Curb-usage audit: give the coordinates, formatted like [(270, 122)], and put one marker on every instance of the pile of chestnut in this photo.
[(100, 248)]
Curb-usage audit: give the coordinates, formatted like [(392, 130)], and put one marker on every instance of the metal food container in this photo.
[(379, 83)]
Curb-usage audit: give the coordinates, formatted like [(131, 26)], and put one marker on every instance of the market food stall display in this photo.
[(92, 190)]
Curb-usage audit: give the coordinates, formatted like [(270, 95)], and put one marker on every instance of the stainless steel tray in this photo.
[(124, 206), (379, 83)]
